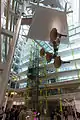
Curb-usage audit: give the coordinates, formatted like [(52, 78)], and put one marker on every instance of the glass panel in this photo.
[(22, 85), (72, 32), (45, 45), (78, 30)]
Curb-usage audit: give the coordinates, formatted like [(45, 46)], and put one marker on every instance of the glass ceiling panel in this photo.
[(45, 45)]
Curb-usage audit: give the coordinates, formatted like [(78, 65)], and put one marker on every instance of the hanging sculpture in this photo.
[(49, 56), (55, 38), (57, 62), (42, 52)]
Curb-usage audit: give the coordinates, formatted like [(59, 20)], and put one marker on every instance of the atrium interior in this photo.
[(36, 70)]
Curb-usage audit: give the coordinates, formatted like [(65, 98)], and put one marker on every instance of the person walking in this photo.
[(66, 114), (1, 113), (22, 115), (52, 115)]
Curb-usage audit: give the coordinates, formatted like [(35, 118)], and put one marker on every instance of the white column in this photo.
[(7, 66), (2, 7), (2, 11)]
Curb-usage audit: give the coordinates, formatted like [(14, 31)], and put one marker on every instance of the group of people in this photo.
[(66, 114), (22, 113), (19, 113), (55, 115)]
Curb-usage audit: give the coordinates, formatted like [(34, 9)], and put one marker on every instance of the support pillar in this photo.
[(7, 23), (0, 30), (4, 76), (1, 15)]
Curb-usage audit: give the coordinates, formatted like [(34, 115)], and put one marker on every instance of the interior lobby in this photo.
[(40, 58)]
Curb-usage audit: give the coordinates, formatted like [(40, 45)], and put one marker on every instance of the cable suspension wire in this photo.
[(45, 95), (59, 91)]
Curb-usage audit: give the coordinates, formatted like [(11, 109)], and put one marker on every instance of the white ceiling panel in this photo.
[(44, 20)]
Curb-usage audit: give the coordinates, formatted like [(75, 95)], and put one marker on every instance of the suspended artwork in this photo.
[(50, 25), (42, 52), (55, 38), (49, 56), (43, 22)]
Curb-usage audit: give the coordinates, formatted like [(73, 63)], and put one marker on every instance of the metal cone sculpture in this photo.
[(57, 62), (53, 35), (49, 56), (55, 38), (42, 52)]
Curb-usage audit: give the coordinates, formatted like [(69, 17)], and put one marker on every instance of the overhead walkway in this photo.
[(73, 74), (65, 84), (69, 96), (60, 74), (51, 66), (50, 97)]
